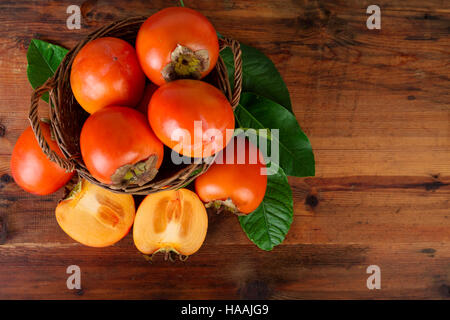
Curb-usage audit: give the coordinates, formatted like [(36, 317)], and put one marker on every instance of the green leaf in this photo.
[(43, 60), (258, 133), (268, 225), (295, 152), (259, 75)]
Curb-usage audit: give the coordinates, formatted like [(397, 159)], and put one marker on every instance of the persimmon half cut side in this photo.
[(172, 220), (95, 216)]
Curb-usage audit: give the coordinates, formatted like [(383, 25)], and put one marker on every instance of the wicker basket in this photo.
[(67, 116)]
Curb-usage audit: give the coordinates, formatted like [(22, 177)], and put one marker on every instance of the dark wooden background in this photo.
[(376, 107)]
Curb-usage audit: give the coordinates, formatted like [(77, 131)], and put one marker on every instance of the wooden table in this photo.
[(376, 107)]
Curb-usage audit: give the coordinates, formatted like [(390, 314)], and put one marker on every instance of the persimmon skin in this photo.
[(30, 167), (106, 72), (243, 183), (176, 25), (116, 136), (94, 216), (170, 220), (178, 104)]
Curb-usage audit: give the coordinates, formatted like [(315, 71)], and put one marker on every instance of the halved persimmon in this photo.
[(95, 216), (170, 221)]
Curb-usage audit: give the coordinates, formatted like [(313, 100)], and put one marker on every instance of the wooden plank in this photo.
[(290, 271)]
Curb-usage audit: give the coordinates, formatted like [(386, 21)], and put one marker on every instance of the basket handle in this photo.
[(237, 57), (33, 117)]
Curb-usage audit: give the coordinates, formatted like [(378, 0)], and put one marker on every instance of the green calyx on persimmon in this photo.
[(186, 64), (139, 173)]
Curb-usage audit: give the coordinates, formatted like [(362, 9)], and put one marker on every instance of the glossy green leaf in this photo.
[(268, 225), (43, 60), (259, 75), (295, 153)]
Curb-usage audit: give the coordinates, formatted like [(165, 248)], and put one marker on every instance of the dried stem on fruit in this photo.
[(139, 173), (224, 205), (186, 64)]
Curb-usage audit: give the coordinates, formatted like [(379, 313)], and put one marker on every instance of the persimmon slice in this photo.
[(95, 216), (172, 220)]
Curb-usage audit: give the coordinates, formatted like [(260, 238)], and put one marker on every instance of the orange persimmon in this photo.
[(191, 117), (177, 43), (106, 72), (30, 167), (172, 220), (239, 186), (95, 216), (119, 147)]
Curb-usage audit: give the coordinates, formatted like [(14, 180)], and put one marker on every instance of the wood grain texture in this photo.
[(376, 107)]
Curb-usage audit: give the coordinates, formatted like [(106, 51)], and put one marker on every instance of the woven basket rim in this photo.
[(55, 85)]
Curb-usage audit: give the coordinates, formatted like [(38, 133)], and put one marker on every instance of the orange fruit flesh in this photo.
[(172, 220), (94, 216)]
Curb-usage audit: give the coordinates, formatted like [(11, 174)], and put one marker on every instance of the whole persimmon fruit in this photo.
[(177, 43), (191, 117), (239, 185), (119, 147), (30, 167), (107, 72)]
